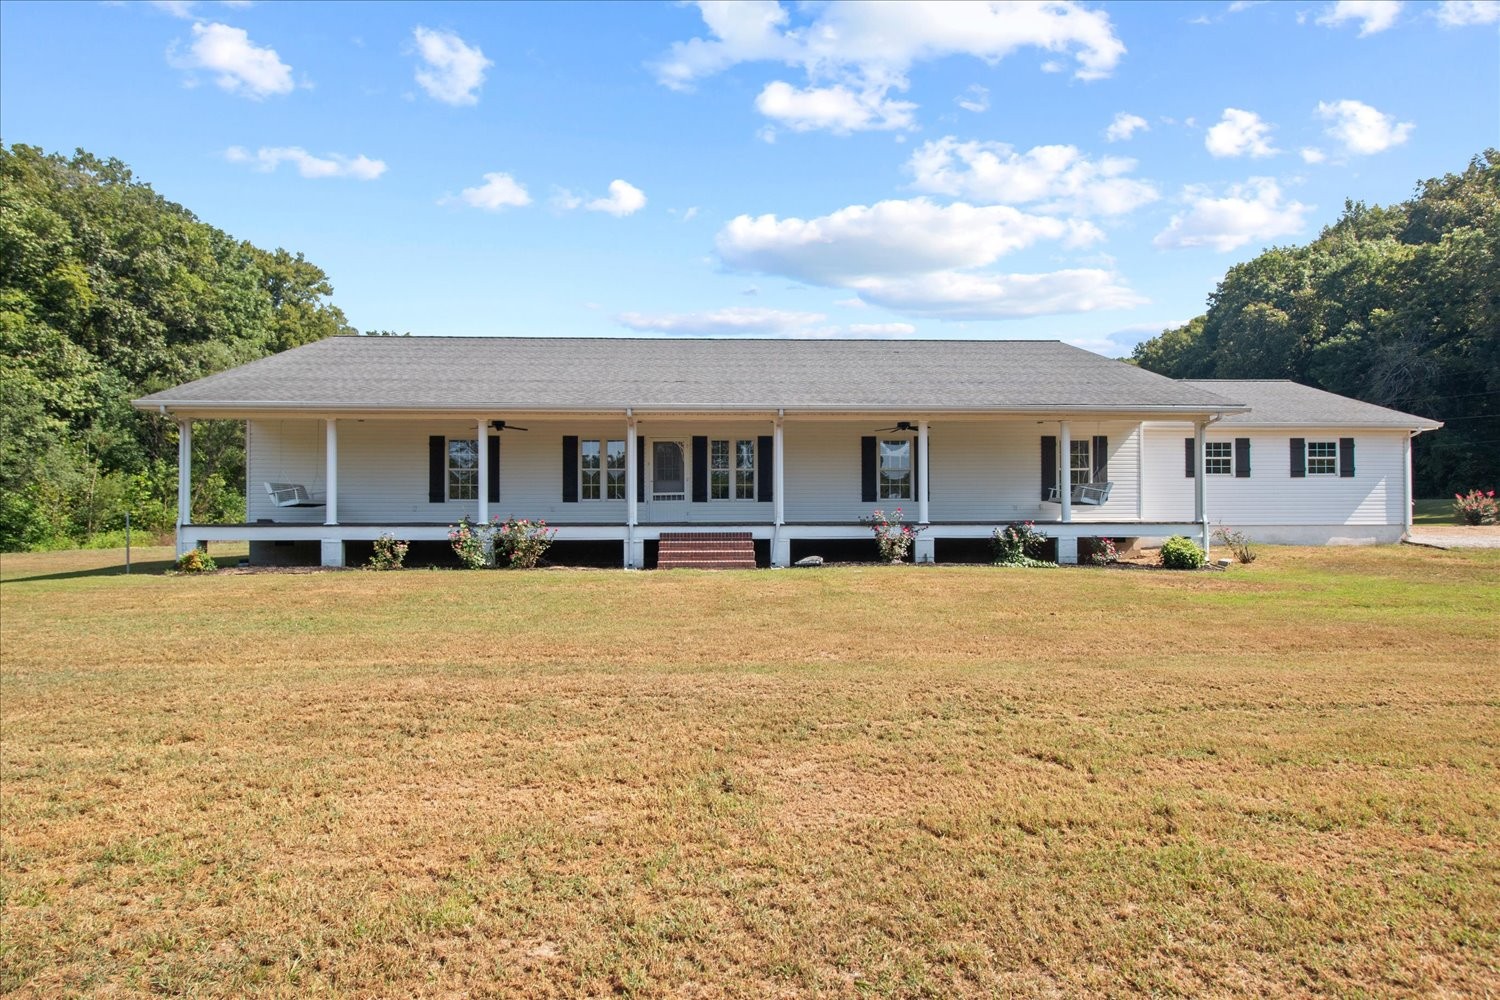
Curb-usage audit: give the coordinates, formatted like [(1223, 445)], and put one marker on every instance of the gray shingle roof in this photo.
[(544, 373), (1280, 403)]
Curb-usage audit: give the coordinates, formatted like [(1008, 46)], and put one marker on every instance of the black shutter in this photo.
[(1049, 465), (1346, 458), (1242, 458), (867, 490), (640, 469), (1101, 458), (437, 468), (1299, 458), (1190, 456), (916, 469), (570, 468), (700, 469), (492, 444), (765, 485)]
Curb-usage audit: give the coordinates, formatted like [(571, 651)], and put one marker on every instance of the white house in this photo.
[(650, 444)]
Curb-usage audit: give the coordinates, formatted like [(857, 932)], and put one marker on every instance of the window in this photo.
[(1218, 458), (731, 470), (1080, 469), (601, 481), (463, 470), (1322, 458), (895, 470)]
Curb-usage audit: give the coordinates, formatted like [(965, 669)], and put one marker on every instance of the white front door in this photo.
[(667, 479)]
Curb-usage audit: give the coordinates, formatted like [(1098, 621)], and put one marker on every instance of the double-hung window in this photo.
[(601, 470), (895, 470), (1080, 468), (731, 469), (463, 469), (1218, 458), (1322, 458)]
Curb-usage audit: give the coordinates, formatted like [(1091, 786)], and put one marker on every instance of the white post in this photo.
[(1200, 493), (482, 440), (1065, 469), (1409, 496), (331, 472), (922, 466), (632, 477), (184, 483), (778, 468)]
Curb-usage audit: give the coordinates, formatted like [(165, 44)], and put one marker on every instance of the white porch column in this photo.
[(635, 552), (482, 440), (1200, 493), (184, 483), (922, 466), (1065, 469), (781, 547), (331, 471)]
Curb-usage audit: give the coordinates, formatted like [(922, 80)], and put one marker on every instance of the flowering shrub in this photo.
[(1098, 551), (389, 553), (1018, 544), (892, 535), (196, 561), (1476, 507), (1237, 542), (519, 544), (1181, 552), (472, 544)]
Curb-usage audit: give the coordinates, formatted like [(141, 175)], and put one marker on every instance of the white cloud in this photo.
[(241, 66), (1240, 6), (887, 238), (690, 213), (453, 70), (1461, 13), (498, 192), (855, 52), (919, 258), (837, 109), (564, 200), (1060, 178), (1361, 129), (735, 320), (975, 99), (177, 8), (1312, 154), (1250, 211), (1124, 126), (1373, 15), (268, 158), (952, 295), (624, 199), (855, 303), (1240, 133), (881, 329)]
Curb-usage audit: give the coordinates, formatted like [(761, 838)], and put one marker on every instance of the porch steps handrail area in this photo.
[(706, 550)]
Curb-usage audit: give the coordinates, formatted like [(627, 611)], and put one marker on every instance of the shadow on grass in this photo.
[(152, 567)]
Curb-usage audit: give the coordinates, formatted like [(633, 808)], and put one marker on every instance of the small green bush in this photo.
[(1019, 544), (1181, 552), (389, 552), (196, 561)]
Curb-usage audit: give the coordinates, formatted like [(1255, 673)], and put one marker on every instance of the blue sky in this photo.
[(1076, 171)]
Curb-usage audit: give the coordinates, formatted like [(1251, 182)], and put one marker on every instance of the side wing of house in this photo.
[(1293, 485)]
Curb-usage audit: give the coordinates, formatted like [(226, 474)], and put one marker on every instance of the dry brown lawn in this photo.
[(1283, 780)]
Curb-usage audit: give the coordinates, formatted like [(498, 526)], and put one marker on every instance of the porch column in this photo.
[(633, 558), (922, 466), (482, 439), (1065, 469), (1407, 494), (781, 548), (331, 472), (184, 482), (1200, 493)]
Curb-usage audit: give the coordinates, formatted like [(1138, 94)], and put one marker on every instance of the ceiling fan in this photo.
[(902, 427), (501, 425)]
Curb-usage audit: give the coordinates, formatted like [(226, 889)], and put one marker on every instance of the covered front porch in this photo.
[(629, 477)]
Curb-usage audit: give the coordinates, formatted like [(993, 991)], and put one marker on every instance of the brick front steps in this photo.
[(706, 550)]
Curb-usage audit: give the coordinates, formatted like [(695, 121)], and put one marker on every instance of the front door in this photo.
[(667, 480)]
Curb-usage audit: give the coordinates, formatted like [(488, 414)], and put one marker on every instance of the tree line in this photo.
[(109, 291), (1398, 306)]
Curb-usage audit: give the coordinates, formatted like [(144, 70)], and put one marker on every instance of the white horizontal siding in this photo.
[(1271, 496)]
